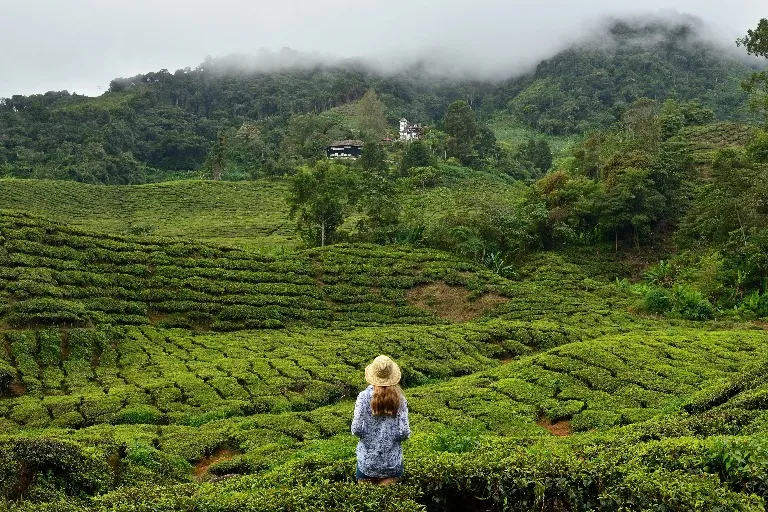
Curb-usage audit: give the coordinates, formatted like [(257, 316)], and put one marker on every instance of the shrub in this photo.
[(336, 497), (762, 306), (7, 374), (657, 301), (28, 464), (138, 414), (557, 410), (456, 440), (144, 463), (661, 274), (236, 465), (742, 463), (592, 419), (691, 305)]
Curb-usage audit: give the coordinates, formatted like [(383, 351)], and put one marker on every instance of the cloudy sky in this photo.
[(80, 45)]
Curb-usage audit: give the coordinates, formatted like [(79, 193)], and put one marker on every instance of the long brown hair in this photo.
[(386, 400)]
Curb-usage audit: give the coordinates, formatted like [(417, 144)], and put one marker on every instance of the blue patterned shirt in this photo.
[(379, 451)]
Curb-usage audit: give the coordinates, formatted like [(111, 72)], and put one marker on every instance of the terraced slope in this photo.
[(703, 141), (51, 274), (477, 439), (78, 377), (242, 214), (157, 374)]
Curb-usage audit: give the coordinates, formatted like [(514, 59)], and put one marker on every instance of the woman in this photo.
[(381, 423)]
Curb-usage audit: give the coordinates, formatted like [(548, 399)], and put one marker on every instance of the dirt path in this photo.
[(559, 429), (201, 469)]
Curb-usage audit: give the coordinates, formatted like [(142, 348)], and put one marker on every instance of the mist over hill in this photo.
[(152, 125)]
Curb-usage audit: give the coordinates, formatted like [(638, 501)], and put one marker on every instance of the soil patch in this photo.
[(156, 317), (452, 302), (64, 345), (201, 469), (559, 429), (17, 388)]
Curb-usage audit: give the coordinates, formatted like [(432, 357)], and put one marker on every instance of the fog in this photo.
[(80, 45)]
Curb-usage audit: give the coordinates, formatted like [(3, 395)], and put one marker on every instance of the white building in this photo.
[(409, 131)]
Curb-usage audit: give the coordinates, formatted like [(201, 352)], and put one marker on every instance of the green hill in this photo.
[(163, 125), (578, 337), (246, 214), (112, 360)]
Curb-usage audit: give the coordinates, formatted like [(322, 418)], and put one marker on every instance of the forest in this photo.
[(570, 267), (164, 125)]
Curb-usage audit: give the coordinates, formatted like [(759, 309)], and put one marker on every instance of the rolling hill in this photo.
[(544, 377), (162, 125), (588, 336)]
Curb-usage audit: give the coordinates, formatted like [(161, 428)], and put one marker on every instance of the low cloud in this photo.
[(80, 45)]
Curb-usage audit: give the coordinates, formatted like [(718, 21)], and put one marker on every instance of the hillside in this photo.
[(252, 215), (570, 268), (245, 214), (163, 125), (115, 391), (56, 275)]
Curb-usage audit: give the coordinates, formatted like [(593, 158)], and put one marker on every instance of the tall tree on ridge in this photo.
[(756, 43), (321, 198), (370, 118), (459, 123)]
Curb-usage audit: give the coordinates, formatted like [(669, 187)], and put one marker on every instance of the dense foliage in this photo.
[(235, 118), (98, 417)]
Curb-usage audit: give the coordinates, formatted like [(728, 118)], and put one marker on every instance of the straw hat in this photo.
[(382, 372)]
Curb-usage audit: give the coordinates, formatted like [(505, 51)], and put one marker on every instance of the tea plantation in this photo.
[(169, 373), (242, 214)]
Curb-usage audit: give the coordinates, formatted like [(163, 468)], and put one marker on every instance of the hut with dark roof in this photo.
[(345, 149)]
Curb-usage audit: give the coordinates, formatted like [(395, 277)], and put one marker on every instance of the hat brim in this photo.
[(392, 380)]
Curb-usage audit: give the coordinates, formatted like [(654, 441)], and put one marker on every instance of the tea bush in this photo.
[(147, 373), (58, 275)]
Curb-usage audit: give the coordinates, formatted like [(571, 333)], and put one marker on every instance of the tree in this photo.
[(305, 140), (459, 123), (485, 143), (756, 43), (509, 162), (321, 198), (732, 204), (216, 158), (373, 158), (377, 193), (437, 142), (538, 153), (573, 203), (247, 151), (639, 127), (674, 116), (370, 118), (417, 155), (632, 205), (758, 148)]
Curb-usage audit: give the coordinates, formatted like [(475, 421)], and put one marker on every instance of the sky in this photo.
[(80, 45)]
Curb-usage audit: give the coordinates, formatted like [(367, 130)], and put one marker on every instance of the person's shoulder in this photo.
[(366, 393)]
